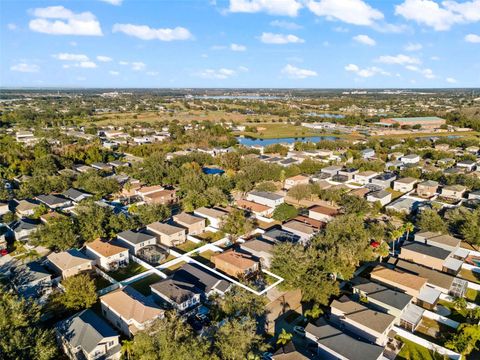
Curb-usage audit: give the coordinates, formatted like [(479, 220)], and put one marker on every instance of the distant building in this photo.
[(430, 122)]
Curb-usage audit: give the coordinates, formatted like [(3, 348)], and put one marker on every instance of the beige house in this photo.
[(195, 225), (322, 213), (364, 177), (404, 184), (431, 256), (296, 180), (26, 207), (454, 192), (129, 311), (406, 282), (260, 248), (69, 263), (167, 234), (107, 255), (254, 208), (235, 264), (214, 216), (427, 189)]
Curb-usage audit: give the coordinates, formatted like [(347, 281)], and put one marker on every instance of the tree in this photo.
[(22, 336), (236, 224), (429, 220), (408, 228), (284, 337), (395, 234), (237, 339), (352, 204), (127, 349), (284, 212), (266, 186), (300, 192), (239, 303), (465, 340), (470, 228), (148, 214), (314, 312), (79, 293), (58, 234)]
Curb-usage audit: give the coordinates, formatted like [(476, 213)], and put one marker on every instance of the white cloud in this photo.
[(365, 39), (58, 20), (439, 16), (271, 38), (11, 26), (145, 32), (138, 66), (152, 73), (123, 62), (288, 25), (399, 59), (220, 74), (243, 69), (25, 68), (435, 58), (87, 64), (451, 80), (113, 2), (413, 47), (472, 38), (237, 47), (103, 58), (366, 72), (427, 73), (114, 73), (294, 72), (355, 12), (272, 7), (71, 57)]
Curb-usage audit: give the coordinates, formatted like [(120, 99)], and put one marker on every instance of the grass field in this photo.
[(469, 275), (428, 134), (413, 351), (127, 272), (473, 296), (143, 285)]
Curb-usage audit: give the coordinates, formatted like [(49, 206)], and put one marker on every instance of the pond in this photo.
[(248, 141)]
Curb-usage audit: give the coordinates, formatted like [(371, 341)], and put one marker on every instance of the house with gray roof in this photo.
[(266, 198), (31, 280), (135, 240), (76, 195), (88, 336), (278, 236), (54, 201)]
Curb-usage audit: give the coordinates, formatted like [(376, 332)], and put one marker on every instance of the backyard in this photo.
[(473, 296), (188, 246), (413, 351), (127, 272), (469, 275), (434, 331), (143, 285), (204, 257)]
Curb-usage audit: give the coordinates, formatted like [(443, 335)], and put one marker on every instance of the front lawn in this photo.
[(143, 285), (127, 272), (413, 351)]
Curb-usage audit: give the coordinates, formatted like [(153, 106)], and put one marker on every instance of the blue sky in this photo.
[(240, 43)]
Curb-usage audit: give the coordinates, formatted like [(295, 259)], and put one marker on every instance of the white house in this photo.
[(364, 177), (404, 184), (107, 255), (214, 216), (266, 198), (410, 159)]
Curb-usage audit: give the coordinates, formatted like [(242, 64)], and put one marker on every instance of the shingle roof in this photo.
[(68, 259), (267, 195), (396, 299), (424, 249), (186, 218), (105, 248), (163, 228), (135, 237)]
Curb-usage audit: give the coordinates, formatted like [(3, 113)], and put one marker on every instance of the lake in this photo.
[(247, 141)]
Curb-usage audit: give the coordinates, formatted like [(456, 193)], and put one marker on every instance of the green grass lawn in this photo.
[(171, 269), (204, 257), (100, 282), (143, 285), (210, 236), (434, 331), (473, 296), (127, 272), (456, 314), (469, 275), (188, 246), (413, 351)]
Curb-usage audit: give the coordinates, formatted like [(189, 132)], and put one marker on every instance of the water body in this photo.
[(212, 171), (247, 141)]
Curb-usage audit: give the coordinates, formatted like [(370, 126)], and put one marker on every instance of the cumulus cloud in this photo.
[(365, 72), (356, 12), (87, 64), (152, 73), (294, 72), (25, 68), (237, 47), (220, 74), (413, 47), (451, 80), (271, 38), (427, 73), (58, 20), (365, 39), (113, 2), (399, 59), (71, 57), (138, 66), (472, 38), (288, 25), (145, 32), (439, 16), (103, 58), (272, 7)]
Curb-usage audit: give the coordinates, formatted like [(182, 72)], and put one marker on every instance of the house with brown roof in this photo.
[(69, 263), (161, 197), (235, 264), (107, 255), (438, 239), (296, 180), (404, 184), (129, 311), (401, 280), (261, 249), (214, 216), (372, 325), (301, 229), (364, 177), (454, 192), (322, 213), (167, 234), (255, 208), (427, 189), (26, 207), (195, 225)]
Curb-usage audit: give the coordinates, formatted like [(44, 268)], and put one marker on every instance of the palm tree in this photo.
[(408, 227), (383, 250), (127, 349), (314, 312), (395, 235), (284, 337), (460, 303)]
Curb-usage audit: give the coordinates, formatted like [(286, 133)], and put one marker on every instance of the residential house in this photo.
[(107, 255), (322, 213), (87, 336), (214, 216), (410, 159), (54, 201), (167, 234), (409, 283), (266, 198), (331, 170), (405, 205), (193, 224), (384, 180), (371, 325), (278, 236), (364, 177), (23, 228), (26, 137), (288, 352), (76, 195), (347, 173), (4, 208), (427, 189), (404, 184), (129, 311), (261, 249), (468, 165), (31, 280), (188, 286), (440, 240), (367, 153), (256, 209), (301, 229), (26, 207), (382, 196), (161, 197), (474, 195), (134, 241), (296, 180), (236, 264), (454, 192), (431, 256), (334, 344), (69, 263)]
